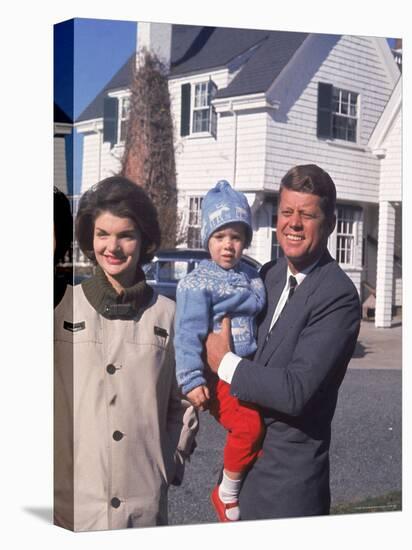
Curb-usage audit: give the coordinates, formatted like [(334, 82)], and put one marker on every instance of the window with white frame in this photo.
[(124, 111), (344, 114), (203, 112), (338, 113), (345, 235), (116, 112), (194, 224), (198, 116)]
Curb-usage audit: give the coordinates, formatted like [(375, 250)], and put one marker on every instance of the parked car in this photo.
[(169, 266)]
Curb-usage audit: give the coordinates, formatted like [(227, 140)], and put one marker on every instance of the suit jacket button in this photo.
[(111, 369), (115, 502), (117, 436)]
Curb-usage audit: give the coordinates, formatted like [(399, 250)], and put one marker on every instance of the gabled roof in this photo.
[(122, 79), (387, 118), (195, 49), (265, 64), (260, 55), (265, 54)]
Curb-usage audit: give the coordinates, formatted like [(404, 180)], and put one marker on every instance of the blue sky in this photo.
[(87, 53)]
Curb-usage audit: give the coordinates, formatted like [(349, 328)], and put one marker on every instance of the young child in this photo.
[(216, 288)]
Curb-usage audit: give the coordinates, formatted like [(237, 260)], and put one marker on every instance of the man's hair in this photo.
[(310, 178), (125, 199), (63, 224)]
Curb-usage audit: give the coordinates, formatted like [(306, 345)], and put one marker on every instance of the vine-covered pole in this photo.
[(149, 149)]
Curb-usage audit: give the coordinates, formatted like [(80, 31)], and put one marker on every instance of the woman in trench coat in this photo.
[(122, 430)]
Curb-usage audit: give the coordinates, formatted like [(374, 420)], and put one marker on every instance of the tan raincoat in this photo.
[(121, 427)]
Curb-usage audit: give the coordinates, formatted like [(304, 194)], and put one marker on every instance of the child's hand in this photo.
[(199, 397)]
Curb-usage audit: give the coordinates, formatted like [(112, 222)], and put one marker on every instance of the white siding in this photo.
[(90, 167), (391, 165), (262, 236), (99, 160), (354, 64), (237, 154), (112, 157), (59, 164), (251, 151)]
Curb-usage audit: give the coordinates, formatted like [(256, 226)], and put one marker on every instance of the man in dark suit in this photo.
[(306, 338)]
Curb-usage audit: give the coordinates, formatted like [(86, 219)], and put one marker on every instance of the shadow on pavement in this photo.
[(360, 350)]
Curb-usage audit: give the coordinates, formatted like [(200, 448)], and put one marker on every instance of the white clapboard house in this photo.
[(248, 105)]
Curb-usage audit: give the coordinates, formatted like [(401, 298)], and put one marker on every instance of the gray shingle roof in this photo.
[(121, 79), (265, 64), (198, 48), (263, 55)]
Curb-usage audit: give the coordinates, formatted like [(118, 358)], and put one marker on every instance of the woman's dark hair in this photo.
[(310, 178), (63, 224), (125, 199)]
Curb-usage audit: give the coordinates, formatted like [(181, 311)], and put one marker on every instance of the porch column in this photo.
[(384, 275)]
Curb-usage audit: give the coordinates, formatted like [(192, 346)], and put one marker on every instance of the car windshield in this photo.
[(167, 271)]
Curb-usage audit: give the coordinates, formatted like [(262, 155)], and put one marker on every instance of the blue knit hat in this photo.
[(223, 205)]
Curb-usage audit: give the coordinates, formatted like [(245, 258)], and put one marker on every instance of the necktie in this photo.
[(292, 285)]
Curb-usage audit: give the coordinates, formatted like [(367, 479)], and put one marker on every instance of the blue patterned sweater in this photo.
[(203, 298)]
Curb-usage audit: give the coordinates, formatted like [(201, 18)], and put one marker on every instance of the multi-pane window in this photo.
[(344, 114), (338, 113), (345, 235), (276, 252), (195, 220), (116, 111), (204, 115), (124, 110)]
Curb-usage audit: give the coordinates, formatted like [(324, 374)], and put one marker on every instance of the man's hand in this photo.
[(199, 397), (218, 344)]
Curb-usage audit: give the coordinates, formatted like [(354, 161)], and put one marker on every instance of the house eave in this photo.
[(86, 126), (391, 111), (61, 128), (243, 103), (197, 72)]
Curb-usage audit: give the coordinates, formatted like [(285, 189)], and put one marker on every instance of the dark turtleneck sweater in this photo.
[(103, 297)]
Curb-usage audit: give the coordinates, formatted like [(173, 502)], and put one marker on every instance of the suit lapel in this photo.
[(292, 310), (274, 290), (286, 320)]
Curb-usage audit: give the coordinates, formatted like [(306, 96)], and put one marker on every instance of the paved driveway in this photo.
[(366, 444)]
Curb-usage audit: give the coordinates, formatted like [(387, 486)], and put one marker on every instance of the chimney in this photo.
[(156, 38), (398, 44), (397, 52)]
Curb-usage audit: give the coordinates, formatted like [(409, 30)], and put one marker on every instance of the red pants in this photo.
[(243, 424)]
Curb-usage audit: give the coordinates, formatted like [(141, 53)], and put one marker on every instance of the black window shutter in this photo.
[(185, 111), (110, 114), (324, 129)]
